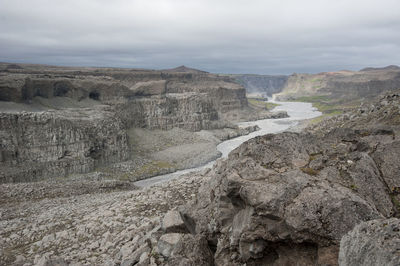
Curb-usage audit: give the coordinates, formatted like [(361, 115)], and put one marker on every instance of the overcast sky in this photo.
[(221, 36)]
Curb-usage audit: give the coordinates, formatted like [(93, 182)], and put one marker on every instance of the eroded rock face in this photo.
[(189, 111), (57, 143), (375, 242)]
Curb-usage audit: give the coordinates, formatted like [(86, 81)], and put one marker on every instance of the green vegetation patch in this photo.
[(313, 99), (323, 116), (153, 168), (261, 103), (315, 80), (353, 187), (326, 105), (309, 171)]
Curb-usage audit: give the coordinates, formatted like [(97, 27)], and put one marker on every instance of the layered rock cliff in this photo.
[(56, 143)]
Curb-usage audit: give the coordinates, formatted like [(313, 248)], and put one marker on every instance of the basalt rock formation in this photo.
[(57, 143), (55, 121), (294, 198)]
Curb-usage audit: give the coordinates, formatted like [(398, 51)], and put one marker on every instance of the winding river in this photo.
[(296, 110)]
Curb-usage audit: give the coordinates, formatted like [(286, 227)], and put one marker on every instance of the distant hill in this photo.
[(13, 66), (184, 69), (391, 67)]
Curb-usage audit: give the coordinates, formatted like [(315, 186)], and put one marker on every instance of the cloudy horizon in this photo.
[(220, 36)]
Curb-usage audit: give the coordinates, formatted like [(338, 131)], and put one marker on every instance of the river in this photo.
[(296, 110)]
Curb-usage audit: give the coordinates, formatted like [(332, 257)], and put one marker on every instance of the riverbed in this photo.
[(297, 111)]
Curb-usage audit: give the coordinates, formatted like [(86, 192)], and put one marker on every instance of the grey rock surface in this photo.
[(38, 145), (173, 223), (167, 243), (376, 242), (90, 229), (191, 250)]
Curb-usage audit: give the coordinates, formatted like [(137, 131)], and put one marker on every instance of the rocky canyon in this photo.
[(59, 121), (75, 140)]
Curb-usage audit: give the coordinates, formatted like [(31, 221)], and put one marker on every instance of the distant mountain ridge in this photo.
[(184, 69), (391, 67)]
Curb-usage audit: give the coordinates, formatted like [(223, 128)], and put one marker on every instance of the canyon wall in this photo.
[(56, 143), (57, 121)]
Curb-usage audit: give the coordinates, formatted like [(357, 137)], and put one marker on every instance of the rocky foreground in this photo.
[(41, 227), (326, 196)]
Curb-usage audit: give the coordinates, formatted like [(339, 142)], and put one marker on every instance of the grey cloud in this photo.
[(233, 36)]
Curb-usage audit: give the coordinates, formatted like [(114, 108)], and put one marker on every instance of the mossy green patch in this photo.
[(262, 104), (312, 99), (309, 171), (322, 117), (353, 187), (396, 204), (325, 104), (153, 168), (313, 156), (316, 80)]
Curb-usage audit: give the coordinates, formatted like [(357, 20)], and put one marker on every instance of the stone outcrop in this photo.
[(375, 242)]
